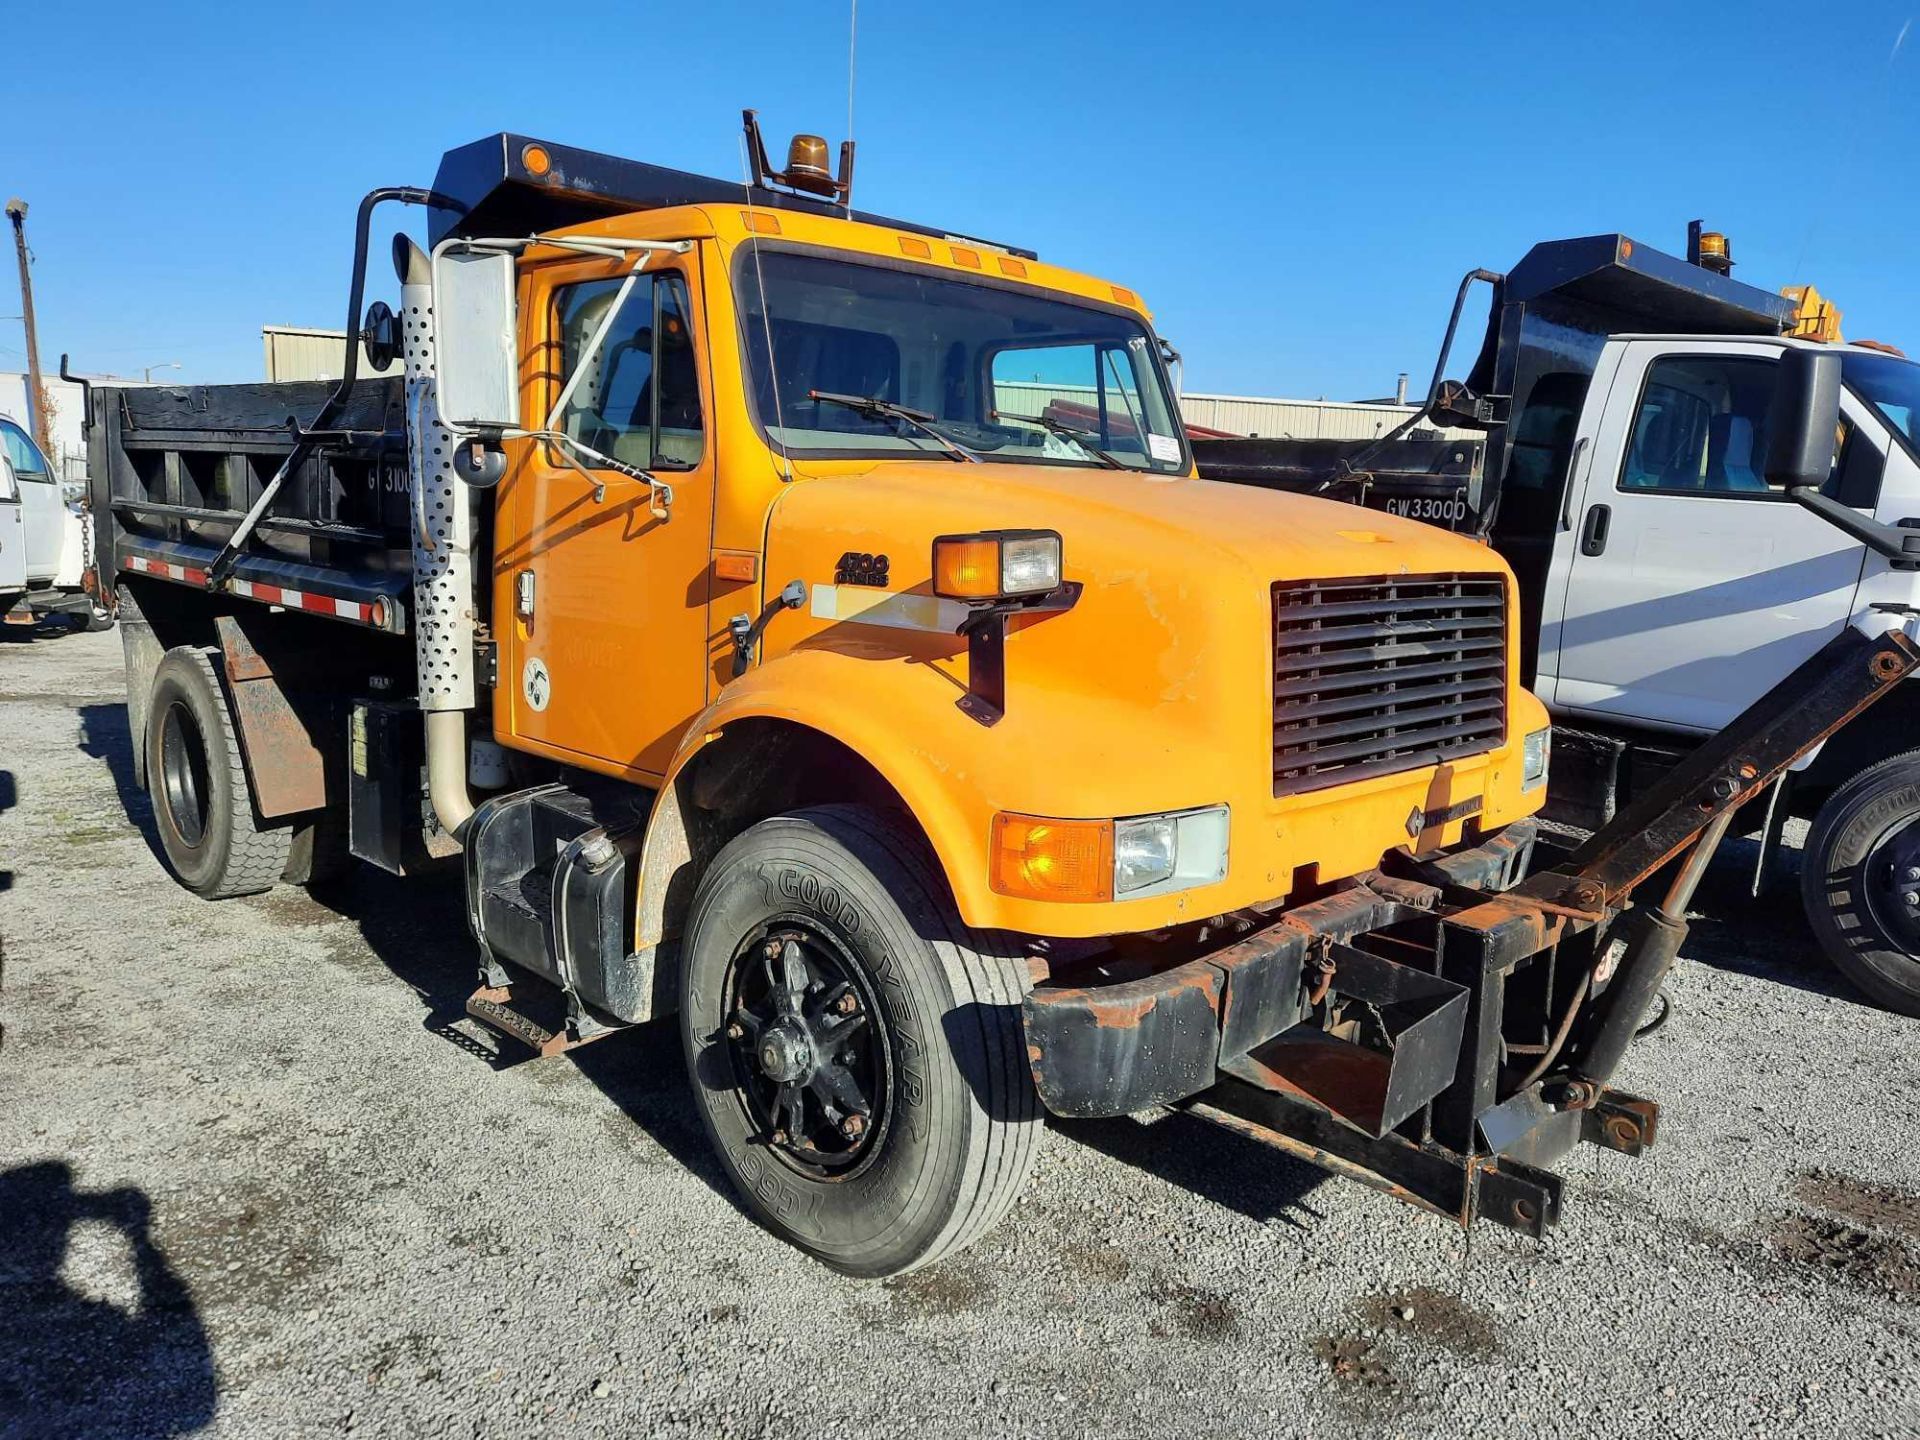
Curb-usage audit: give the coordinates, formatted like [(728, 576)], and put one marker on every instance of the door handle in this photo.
[(1593, 535)]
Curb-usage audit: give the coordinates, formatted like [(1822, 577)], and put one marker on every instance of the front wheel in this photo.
[(1860, 877), (857, 1053)]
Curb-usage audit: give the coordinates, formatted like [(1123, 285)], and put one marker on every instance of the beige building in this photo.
[(1275, 419), (1271, 419), (297, 352)]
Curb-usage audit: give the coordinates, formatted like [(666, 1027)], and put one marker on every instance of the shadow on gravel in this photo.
[(72, 1363), (1226, 1168), (417, 928), (38, 630), (104, 735), (9, 797), (1767, 938)]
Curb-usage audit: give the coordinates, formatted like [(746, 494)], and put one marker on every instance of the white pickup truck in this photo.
[(46, 544), (1666, 581)]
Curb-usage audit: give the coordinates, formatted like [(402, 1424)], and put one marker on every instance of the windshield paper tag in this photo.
[(1163, 447)]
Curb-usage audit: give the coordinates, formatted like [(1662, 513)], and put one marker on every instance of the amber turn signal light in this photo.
[(1039, 859), (996, 564)]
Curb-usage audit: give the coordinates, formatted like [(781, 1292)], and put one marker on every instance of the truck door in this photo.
[(13, 538), (602, 603), (1690, 586), (43, 508)]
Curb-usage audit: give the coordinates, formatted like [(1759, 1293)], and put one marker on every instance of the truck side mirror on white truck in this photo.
[(1803, 419), (1802, 427)]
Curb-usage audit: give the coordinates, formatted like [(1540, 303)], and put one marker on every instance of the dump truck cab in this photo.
[(810, 626), (1117, 694)]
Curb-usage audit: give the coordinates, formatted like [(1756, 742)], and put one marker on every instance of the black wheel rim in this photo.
[(1890, 882), (183, 774), (811, 1062)]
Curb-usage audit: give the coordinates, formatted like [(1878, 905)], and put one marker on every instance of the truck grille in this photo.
[(1374, 676)]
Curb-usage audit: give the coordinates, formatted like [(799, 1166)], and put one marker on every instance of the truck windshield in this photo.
[(1892, 386), (1002, 371)]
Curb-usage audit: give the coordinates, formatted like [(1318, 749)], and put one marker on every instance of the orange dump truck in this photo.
[(809, 625)]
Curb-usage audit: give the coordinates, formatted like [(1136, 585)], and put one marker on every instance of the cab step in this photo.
[(493, 1007)]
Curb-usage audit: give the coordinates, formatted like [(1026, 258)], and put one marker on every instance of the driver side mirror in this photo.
[(477, 340), (1803, 419)]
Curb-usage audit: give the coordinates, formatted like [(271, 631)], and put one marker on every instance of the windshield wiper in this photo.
[(1082, 438), (874, 408)]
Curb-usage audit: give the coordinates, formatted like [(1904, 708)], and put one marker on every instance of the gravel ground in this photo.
[(255, 1179)]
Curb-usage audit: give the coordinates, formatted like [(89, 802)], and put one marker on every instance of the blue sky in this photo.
[(1295, 190)]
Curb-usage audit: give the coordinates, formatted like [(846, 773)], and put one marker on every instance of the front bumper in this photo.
[(1130, 1044), (1362, 1032)]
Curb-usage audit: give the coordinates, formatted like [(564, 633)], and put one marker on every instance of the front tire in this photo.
[(857, 1053), (214, 840), (1861, 863)]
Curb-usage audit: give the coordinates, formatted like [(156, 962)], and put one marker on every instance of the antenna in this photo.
[(756, 158), (853, 33)]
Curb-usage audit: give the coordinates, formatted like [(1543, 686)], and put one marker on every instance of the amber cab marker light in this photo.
[(537, 161), (996, 564), (732, 565), (1034, 858)]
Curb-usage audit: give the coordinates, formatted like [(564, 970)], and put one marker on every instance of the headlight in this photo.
[(1095, 860), (1144, 852), (1158, 854), (996, 564), (1534, 753)]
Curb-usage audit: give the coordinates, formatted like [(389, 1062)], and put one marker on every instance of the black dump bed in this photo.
[(1426, 479), (174, 468), (1548, 319)]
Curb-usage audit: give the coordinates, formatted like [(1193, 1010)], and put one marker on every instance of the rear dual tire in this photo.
[(824, 962), (215, 841)]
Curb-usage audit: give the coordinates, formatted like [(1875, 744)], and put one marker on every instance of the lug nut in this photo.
[(1913, 872), (849, 1004), (854, 1126), (736, 1031)]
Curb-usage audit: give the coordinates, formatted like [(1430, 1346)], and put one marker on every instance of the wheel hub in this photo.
[(1890, 875), (785, 1054), (811, 1069)]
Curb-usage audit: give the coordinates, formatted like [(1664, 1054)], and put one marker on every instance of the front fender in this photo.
[(953, 774)]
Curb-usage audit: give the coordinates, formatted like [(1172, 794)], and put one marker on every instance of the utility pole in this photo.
[(36, 398)]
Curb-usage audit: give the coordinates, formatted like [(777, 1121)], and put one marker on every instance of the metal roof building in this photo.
[(300, 352), (1277, 419)]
